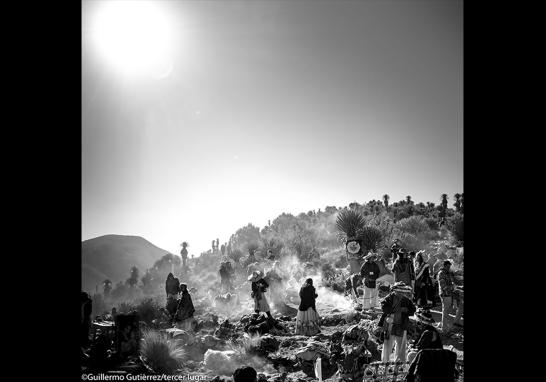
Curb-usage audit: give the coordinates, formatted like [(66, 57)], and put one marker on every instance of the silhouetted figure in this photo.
[(184, 254), (307, 320), (86, 309), (226, 272), (172, 287), (185, 310)]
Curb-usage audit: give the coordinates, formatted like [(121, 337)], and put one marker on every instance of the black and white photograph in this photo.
[(272, 190)]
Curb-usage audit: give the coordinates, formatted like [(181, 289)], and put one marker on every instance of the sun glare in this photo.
[(134, 37)]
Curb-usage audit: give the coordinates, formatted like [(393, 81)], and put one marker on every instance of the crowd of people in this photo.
[(416, 285)]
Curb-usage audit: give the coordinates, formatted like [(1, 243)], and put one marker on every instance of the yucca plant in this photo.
[(161, 353), (349, 223)]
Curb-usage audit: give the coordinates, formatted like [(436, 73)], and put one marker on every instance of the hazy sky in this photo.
[(271, 107)]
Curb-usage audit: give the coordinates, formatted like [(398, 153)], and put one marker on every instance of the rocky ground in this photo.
[(225, 341)]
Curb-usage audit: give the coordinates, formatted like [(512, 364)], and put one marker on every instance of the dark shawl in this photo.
[(258, 288), (307, 296), (185, 307)]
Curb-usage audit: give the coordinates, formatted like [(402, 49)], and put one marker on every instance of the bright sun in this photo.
[(134, 37)]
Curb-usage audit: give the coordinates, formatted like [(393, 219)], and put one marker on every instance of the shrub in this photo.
[(412, 242), (455, 225), (432, 223), (148, 309), (161, 353), (415, 225)]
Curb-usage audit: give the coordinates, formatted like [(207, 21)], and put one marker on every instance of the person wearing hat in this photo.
[(259, 287), (369, 272), (397, 308), (446, 289), (429, 338), (403, 269)]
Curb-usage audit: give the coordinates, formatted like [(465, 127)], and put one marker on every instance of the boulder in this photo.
[(223, 362), (312, 350)]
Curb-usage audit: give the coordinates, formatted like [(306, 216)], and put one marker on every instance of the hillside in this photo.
[(112, 256)]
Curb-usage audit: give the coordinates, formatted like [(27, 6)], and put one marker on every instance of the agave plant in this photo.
[(350, 222), (160, 353)]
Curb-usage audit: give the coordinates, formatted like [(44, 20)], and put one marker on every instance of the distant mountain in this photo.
[(112, 256)]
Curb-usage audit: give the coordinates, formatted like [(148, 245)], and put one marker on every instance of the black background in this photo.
[(42, 157)]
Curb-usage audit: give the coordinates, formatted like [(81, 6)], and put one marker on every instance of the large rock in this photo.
[(222, 362), (312, 350)]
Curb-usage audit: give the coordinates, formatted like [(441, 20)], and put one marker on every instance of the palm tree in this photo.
[(443, 212), (386, 201), (457, 203)]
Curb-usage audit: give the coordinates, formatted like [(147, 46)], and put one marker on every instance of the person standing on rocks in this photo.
[(307, 320), (369, 272), (446, 286), (184, 254), (226, 271), (172, 287), (403, 270), (259, 287), (185, 310), (423, 282), (397, 308)]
